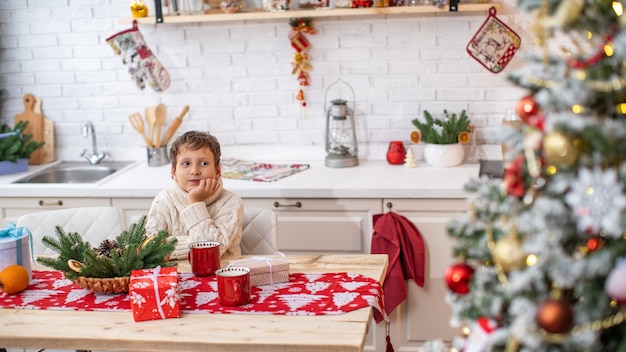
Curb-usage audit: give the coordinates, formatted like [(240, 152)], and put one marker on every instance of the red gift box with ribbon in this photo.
[(298, 41), (265, 270), (154, 294)]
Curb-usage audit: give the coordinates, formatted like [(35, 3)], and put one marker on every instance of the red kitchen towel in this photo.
[(398, 237), (304, 294)]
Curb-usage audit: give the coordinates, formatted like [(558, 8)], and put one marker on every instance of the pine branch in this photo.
[(137, 252)]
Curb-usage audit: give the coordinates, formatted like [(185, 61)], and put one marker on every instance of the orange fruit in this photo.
[(416, 136), (14, 279), (75, 265), (464, 137)]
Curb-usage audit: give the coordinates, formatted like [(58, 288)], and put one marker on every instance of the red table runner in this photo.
[(304, 294)]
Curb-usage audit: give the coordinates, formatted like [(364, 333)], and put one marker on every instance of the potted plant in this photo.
[(444, 136), (16, 148)]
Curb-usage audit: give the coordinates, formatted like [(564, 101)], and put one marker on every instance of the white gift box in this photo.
[(15, 248)]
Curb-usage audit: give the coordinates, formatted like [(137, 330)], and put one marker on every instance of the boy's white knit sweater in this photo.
[(216, 219)]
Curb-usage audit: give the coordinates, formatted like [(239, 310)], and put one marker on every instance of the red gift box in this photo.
[(298, 41), (154, 294)]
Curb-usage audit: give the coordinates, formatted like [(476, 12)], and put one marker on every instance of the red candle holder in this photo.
[(396, 153)]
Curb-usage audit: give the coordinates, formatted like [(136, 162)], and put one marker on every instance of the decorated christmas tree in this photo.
[(540, 254)]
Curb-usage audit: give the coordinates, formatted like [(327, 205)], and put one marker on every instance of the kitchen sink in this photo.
[(74, 172)]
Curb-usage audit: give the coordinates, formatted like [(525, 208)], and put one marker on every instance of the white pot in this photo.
[(444, 155)]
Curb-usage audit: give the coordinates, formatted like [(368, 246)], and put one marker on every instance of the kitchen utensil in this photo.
[(160, 116), (35, 127), (137, 122), (174, 126), (48, 134), (151, 119)]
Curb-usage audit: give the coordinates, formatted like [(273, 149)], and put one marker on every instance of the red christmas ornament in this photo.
[(593, 244), (526, 108), (458, 278), (555, 316)]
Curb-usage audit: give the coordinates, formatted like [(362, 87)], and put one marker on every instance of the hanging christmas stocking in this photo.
[(143, 66)]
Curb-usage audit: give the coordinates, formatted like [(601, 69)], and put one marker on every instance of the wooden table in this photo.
[(202, 332)]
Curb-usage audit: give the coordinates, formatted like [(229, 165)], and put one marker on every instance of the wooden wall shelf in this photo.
[(218, 16)]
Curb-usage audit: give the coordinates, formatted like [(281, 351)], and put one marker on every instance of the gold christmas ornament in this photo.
[(561, 149), (508, 253), (138, 9)]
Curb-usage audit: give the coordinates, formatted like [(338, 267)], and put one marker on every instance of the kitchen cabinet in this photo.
[(315, 226), (12, 208), (425, 315), (132, 209), (218, 16), (305, 225)]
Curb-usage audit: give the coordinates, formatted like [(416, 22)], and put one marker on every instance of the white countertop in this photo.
[(370, 179)]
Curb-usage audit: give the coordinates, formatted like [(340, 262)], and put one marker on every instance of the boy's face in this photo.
[(193, 166)]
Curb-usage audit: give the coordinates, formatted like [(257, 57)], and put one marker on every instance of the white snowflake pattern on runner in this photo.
[(340, 299), (313, 276), (75, 295), (317, 286), (34, 296), (100, 298), (353, 275), (213, 285), (269, 290), (188, 284), (62, 283), (299, 300), (351, 286), (205, 297)]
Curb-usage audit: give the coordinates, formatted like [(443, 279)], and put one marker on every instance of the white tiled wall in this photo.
[(236, 76)]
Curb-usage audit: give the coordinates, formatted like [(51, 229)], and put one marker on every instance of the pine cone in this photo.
[(106, 247)]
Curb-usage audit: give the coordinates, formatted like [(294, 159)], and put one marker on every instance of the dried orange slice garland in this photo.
[(464, 137), (416, 136)]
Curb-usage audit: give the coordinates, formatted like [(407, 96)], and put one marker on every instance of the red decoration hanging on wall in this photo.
[(300, 43)]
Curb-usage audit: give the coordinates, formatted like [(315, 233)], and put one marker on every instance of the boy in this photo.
[(196, 208)]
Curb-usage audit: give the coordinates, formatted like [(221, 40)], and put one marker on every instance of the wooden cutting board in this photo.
[(35, 127), (48, 133)]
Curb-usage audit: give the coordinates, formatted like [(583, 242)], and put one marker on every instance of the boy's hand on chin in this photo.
[(204, 190)]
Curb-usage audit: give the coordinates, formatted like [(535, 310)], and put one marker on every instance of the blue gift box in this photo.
[(15, 247)]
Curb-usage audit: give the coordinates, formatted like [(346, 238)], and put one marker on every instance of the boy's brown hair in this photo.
[(194, 140)]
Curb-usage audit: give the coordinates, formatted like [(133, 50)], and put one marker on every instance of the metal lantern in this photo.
[(341, 145)]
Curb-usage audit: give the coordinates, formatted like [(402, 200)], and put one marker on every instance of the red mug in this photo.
[(204, 258), (396, 153), (233, 285)]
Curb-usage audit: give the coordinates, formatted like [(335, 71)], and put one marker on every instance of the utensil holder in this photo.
[(157, 156)]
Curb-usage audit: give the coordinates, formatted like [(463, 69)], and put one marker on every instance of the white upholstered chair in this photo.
[(94, 224), (259, 231)]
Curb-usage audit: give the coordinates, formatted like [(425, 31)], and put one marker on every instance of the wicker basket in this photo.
[(104, 285)]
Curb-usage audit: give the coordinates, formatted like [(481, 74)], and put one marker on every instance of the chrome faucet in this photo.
[(95, 157)]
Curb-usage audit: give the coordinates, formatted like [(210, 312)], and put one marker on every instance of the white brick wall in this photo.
[(236, 76)]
